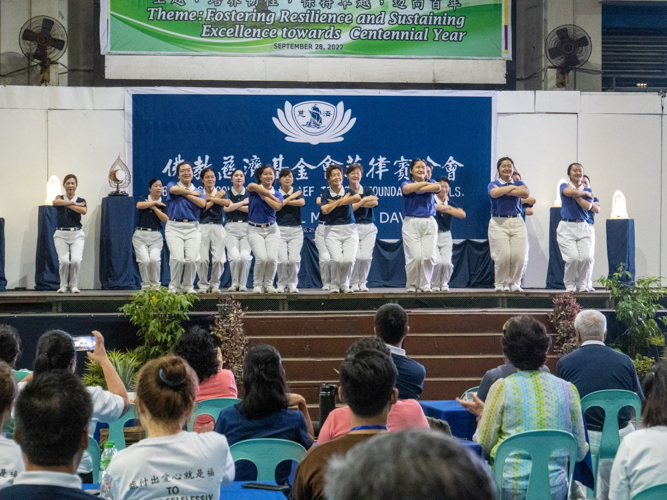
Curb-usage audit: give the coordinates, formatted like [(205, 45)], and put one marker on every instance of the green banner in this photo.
[(463, 29)]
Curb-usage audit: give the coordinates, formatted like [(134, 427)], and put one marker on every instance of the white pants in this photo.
[(324, 256), (69, 245), (575, 241), (264, 243), (604, 466), (238, 252), (362, 266), (342, 242), (589, 277), (507, 242), (213, 240), (420, 247), (289, 255), (183, 241), (148, 250), (444, 268)]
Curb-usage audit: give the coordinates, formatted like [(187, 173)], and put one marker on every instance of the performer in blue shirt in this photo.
[(445, 209), (363, 215), (323, 254), (69, 236), (419, 228), (507, 230), (574, 233), (147, 238), (591, 220), (291, 234), (340, 233), (184, 202), (236, 239), (212, 234)]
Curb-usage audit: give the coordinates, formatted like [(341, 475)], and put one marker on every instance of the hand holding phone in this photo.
[(84, 343)]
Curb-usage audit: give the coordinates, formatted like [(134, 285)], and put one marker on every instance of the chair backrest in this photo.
[(211, 407), (611, 401), (116, 429), (266, 454), (539, 445), (472, 389), (95, 455), (21, 374), (658, 492)]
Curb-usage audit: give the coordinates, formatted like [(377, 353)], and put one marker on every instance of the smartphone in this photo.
[(469, 396), (85, 343)]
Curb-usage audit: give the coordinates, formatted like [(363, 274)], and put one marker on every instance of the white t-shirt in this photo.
[(185, 465), (107, 408), (641, 462), (11, 461)]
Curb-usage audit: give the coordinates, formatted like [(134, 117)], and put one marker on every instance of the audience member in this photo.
[(596, 367), (502, 371), (640, 461), (391, 326), (170, 461), (55, 351), (404, 414), (52, 415), (11, 461), (197, 347), (263, 412), (368, 386), (10, 345), (409, 465)]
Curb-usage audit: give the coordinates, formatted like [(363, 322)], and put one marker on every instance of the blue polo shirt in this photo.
[(213, 215), (364, 215), (148, 219), (66, 217), (444, 220), (505, 205), (570, 209), (339, 215), (419, 203), (179, 207), (259, 212), (289, 215), (591, 214), (236, 215)]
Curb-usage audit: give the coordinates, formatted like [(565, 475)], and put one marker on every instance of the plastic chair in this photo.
[(116, 429), (539, 445), (266, 454), (472, 389), (211, 407), (21, 374), (611, 401), (658, 492), (95, 455)]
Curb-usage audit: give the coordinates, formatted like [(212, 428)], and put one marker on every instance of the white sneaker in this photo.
[(435, 289), (354, 288), (516, 288), (173, 289), (363, 288), (499, 288), (202, 291), (444, 288), (427, 289), (292, 289), (75, 290), (243, 288), (506, 288), (570, 289), (335, 289), (233, 288), (345, 289), (582, 288), (258, 289), (215, 291), (590, 288), (270, 289), (280, 289), (62, 289), (411, 290), (326, 287), (190, 290)]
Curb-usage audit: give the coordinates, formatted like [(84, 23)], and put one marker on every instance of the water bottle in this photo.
[(327, 401), (105, 482)]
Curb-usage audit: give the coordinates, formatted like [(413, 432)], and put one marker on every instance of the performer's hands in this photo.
[(297, 193), (160, 204)]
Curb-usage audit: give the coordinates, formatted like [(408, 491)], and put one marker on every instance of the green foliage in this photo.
[(643, 365), (562, 318), (230, 336), (159, 315), (127, 365)]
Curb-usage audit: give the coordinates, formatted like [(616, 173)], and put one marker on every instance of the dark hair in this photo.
[(284, 172), (654, 386), (178, 167), (443, 179), (416, 463), (260, 171), (504, 158), (205, 171), (391, 321), (8, 388), (70, 176), (167, 387), (264, 383), (238, 170), (151, 182), (52, 415), (365, 343), (516, 172), (331, 168), (572, 165), (197, 347), (10, 344), (55, 351), (367, 380), (589, 179), (353, 167), (525, 342)]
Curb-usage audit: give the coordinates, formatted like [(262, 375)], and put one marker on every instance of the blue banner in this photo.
[(226, 129)]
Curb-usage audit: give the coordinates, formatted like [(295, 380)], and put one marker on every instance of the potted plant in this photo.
[(562, 318), (230, 337)]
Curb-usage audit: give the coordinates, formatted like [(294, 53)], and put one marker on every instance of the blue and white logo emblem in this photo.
[(314, 122)]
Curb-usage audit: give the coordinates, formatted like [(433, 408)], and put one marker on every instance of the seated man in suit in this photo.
[(596, 367), (52, 414), (391, 326)]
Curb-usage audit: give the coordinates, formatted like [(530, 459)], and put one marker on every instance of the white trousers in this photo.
[(238, 252), (213, 240), (420, 247), (507, 242), (183, 241), (289, 255), (575, 240), (589, 277), (342, 242), (604, 466), (324, 256), (264, 243), (444, 268), (69, 246), (148, 250), (362, 266)]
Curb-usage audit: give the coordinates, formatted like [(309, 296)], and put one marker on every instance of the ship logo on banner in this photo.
[(314, 122)]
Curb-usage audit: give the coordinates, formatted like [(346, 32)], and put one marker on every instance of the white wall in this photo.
[(617, 137)]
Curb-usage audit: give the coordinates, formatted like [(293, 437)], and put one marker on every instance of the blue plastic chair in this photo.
[(611, 401), (211, 407), (539, 445), (21, 374), (266, 454), (658, 492), (95, 455), (116, 429), (472, 389)]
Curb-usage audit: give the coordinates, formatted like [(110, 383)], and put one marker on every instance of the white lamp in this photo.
[(558, 202), (52, 190), (618, 206)]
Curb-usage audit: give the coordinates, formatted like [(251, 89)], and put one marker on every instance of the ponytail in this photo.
[(55, 351)]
